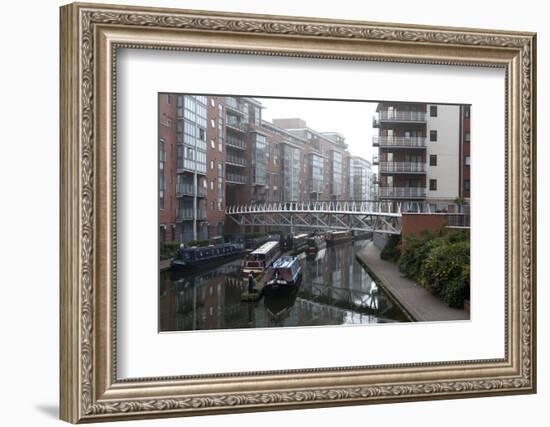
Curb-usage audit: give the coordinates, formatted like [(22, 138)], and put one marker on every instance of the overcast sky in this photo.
[(351, 119)]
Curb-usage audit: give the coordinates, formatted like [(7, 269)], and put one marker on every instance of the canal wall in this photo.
[(418, 303)]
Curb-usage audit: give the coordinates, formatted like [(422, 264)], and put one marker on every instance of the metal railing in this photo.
[(189, 190), (231, 141), (241, 127), (234, 178), (399, 116), (399, 141), (458, 220), (190, 166), (188, 214), (402, 192), (235, 160), (402, 167)]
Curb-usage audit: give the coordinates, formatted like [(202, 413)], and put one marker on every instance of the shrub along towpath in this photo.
[(418, 302)]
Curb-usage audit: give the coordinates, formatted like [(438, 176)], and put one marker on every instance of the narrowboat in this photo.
[(283, 276), (315, 243), (193, 257), (295, 243), (337, 237), (260, 259)]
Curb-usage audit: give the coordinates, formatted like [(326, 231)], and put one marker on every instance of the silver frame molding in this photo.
[(90, 37)]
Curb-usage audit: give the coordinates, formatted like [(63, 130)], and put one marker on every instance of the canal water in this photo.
[(335, 290)]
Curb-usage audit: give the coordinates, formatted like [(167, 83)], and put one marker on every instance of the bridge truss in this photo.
[(382, 217)]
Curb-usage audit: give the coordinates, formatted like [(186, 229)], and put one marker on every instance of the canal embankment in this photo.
[(416, 301)]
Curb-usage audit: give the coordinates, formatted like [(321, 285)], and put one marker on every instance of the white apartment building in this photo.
[(423, 153)]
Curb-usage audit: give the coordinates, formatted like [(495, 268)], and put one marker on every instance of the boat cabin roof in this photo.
[(284, 262), (265, 248), (301, 236)]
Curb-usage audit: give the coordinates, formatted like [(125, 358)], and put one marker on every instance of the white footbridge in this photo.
[(365, 216)]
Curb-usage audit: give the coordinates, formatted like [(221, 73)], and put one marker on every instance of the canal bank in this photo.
[(416, 301)]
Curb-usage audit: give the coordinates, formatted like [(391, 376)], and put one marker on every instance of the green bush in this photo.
[(168, 249), (198, 243), (392, 250), (415, 252), (445, 263), (453, 293)]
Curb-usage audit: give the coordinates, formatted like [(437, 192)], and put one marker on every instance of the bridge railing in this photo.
[(391, 208)]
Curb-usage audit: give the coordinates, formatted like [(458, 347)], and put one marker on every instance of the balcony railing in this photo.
[(402, 167), (234, 178), (458, 220), (235, 161), (399, 116), (398, 142), (188, 165), (241, 127), (189, 190), (235, 143), (402, 192), (188, 214)]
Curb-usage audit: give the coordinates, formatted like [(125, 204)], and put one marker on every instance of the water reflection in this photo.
[(335, 290)]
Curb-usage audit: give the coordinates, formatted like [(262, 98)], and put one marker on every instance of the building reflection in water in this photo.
[(335, 290)]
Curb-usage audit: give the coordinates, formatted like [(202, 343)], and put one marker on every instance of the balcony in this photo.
[(234, 178), (398, 142), (402, 167), (188, 214), (458, 220), (188, 165), (387, 116), (235, 143), (232, 106), (189, 190), (402, 192), (235, 125), (235, 161), (375, 160)]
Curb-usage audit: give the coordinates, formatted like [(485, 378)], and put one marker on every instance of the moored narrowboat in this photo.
[(260, 259), (337, 237), (193, 257), (315, 243), (285, 275)]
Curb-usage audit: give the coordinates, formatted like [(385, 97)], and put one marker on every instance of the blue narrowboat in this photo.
[(284, 275), (193, 257)]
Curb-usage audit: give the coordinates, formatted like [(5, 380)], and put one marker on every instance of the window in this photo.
[(467, 160), (433, 110), (168, 123), (433, 135), (169, 99), (211, 164), (467, 112), (220, 145), (433, 159), (212, 123), (212, 103), (212, 185), (212, 206), (212, 143), (433, 184), (467, 137), (202, 134), (220, 169), (467, 184)]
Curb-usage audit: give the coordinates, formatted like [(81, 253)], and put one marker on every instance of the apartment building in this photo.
[(360, 179), (422, 153), (216, 151)]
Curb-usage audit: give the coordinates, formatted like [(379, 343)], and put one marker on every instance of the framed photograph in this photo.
[(268, 212)]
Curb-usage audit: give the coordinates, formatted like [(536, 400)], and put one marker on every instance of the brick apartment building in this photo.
[(423, 153), (217, 152)]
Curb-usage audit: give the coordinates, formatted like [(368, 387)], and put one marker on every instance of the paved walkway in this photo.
[(417, 301)]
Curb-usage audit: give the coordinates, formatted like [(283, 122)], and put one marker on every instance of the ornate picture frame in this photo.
[(90, 37)]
